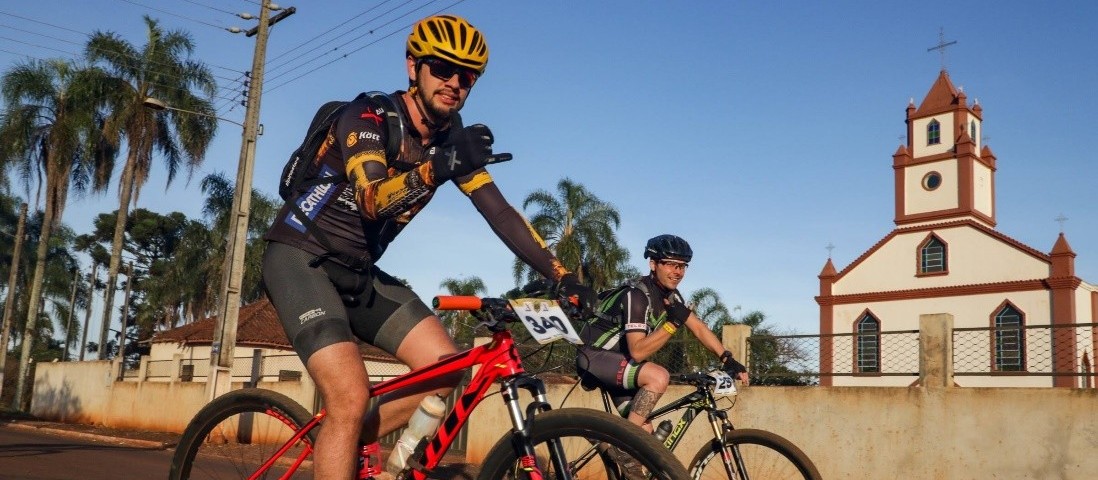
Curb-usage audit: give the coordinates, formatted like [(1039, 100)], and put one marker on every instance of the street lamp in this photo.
[(159, 105), (223, 345)]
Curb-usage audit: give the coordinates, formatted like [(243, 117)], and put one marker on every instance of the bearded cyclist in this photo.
[(326, 298)]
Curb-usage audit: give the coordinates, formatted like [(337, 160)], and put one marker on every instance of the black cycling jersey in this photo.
[(381, 196), (629, 309)]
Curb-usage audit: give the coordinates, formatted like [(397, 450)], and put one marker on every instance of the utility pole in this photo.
[(9, 302), (224, 337), (88, 312), (72, 308)]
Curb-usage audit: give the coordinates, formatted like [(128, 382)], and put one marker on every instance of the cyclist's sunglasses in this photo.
[(443, 70)]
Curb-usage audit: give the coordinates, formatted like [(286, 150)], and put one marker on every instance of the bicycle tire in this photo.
[(582, 431), (765, 456), (214, 445)]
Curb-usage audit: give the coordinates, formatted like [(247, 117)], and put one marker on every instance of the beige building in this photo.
[(259, 336), (946, 256)]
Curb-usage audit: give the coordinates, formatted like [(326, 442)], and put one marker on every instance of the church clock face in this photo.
[(932, 180)]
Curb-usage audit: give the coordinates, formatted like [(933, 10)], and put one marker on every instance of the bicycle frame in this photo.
[(498, 360), (701, 399)]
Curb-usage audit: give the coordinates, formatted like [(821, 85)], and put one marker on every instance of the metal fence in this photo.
[(797, 359), (1040, 350)]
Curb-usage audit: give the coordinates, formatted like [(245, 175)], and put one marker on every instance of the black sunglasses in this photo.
[(443, 70)]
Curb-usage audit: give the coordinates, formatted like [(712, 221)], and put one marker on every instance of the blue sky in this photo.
[(761, 132)]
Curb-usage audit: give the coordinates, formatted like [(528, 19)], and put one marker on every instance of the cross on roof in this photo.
[(941, 46), (829, 248), (1061, 219)]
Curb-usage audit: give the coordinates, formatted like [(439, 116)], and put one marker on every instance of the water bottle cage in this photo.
[(412, 462)]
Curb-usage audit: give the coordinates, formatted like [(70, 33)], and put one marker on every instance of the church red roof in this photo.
[(943, 96)]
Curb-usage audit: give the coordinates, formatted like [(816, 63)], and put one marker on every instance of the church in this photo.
[(1019, 312)]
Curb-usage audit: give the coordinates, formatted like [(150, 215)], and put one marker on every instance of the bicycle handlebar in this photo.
[(457, 302)]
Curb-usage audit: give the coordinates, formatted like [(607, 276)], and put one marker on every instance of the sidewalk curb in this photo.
[(129, 442)]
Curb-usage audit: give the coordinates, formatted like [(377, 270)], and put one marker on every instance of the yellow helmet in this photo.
[(450, 38)]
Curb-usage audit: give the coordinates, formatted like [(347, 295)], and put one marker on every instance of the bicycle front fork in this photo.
[(523, 424)]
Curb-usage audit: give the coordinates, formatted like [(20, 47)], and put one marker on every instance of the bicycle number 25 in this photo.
[(545, 321)]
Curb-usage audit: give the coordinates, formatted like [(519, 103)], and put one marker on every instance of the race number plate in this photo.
[(545, 321), (725, 385)]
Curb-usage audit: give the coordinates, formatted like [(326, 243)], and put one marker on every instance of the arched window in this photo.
[(972, 132), (869, 344), (932, 256), (1009, 340), (933, 133)]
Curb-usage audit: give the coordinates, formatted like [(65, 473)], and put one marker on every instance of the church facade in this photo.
[(1016, 309)]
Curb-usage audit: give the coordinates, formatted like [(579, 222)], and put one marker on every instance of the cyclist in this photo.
[(638, 320), (326, 299)]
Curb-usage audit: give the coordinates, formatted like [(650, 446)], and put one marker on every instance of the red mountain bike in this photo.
[(255, 433)]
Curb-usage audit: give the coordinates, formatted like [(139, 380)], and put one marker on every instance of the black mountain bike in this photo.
[(733, 454)]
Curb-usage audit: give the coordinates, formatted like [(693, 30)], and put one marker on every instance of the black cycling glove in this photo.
[(730, 365), (464, 151), (569, 286), (677, 311)]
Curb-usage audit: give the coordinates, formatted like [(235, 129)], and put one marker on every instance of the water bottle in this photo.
[(423, 422), (663, 430)]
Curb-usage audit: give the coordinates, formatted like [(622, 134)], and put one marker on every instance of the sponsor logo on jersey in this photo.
[(636, 326), (311, 314), (313, 201), (369, 136), (352, 139), (375, 116)]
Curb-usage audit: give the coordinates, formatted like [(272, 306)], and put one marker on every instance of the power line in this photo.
[(327, 31), (203, 22), (83, 34), (345, 55), (211, 7)]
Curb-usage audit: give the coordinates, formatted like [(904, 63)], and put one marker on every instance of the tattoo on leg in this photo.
[(644, 401)]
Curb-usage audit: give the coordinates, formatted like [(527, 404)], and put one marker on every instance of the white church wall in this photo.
[(972, 256), (921, 149), (919, 199)]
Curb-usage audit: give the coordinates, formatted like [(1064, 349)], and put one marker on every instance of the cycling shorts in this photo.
[(370, 305), (611, 371)]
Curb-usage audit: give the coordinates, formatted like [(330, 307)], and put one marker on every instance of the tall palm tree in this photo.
[(217, 208), (161, 69), (49, 134), (580, 229), (458, 323)]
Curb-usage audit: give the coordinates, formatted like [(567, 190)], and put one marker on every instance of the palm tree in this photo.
[(458, 323), (580, 229), (162, 69), (49, 134)]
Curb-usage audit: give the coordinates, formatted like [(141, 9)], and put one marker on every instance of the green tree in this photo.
[(460, 324), (50, 135), (580, 230), (771, 354), (161, 69), (217, 210)]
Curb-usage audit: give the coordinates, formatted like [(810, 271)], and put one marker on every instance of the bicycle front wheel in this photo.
[(237, 433), (593, 445), (763, 455)]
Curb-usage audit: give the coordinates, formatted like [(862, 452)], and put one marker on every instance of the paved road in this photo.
[(40, 451), (33, 454)]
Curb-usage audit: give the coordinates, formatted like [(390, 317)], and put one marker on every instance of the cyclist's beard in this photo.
[(434, 115)]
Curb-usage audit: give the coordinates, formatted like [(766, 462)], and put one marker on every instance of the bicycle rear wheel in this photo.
[(593, 444), (236, 433), (765, 456)]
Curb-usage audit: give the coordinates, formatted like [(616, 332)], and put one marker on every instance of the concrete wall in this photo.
[(883, 432), (849, 432)]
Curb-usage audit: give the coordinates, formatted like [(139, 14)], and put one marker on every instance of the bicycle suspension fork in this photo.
[(523, 423)]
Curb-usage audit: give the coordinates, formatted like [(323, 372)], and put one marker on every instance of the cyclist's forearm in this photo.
[(516, 232), (704, 335)]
